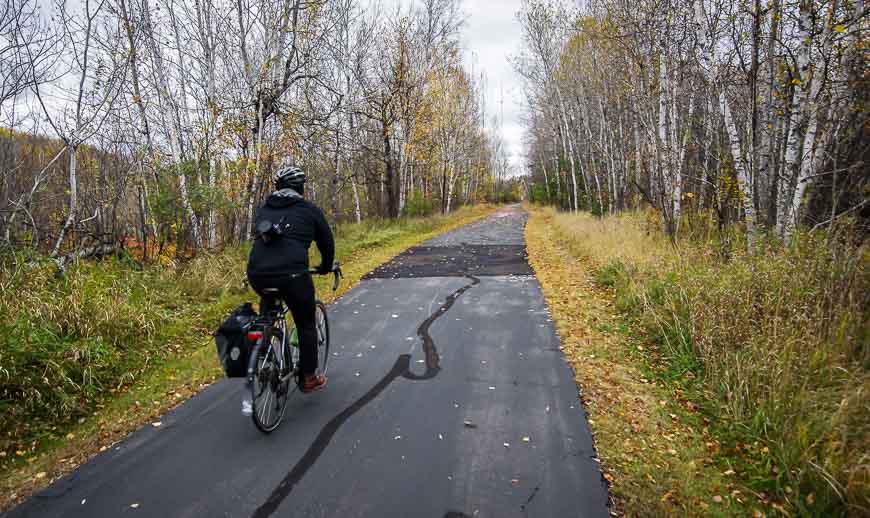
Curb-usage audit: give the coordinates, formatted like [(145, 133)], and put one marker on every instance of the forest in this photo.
[(751, 112), (154, 125)]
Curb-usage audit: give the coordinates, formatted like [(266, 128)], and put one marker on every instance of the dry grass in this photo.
[(771, 344), (629, 238), (655, 448)]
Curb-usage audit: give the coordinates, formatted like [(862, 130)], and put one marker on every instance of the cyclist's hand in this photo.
[(323, 269)]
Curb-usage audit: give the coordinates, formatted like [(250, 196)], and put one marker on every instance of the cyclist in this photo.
[(279, 261)]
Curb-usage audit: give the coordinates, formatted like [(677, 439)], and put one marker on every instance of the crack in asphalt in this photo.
[(531, 497), (433, 360), (401, 368)]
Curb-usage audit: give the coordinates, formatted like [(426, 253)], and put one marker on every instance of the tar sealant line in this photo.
[(401, 368)]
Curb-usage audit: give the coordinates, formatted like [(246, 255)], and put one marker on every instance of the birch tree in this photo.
[(751, 110), (76, 114)]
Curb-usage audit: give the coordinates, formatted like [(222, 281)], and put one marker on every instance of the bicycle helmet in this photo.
[(289, 177)]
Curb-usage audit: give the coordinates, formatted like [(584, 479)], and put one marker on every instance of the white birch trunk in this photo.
[(747, 199), (747, 196), (797, 116), (356, 203), (212, 214), (675, 157), (664, 151), (336, 177), (181, 106), (73, 199), (546, 179), (175, 125), (638, 151), (555, 150), (810, 151), (206, 33), (806, 166), (570, 148)]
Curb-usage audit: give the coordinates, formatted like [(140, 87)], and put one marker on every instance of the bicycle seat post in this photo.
[(276, 311)]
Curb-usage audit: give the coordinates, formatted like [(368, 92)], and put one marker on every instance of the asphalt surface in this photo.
[(448, 396)]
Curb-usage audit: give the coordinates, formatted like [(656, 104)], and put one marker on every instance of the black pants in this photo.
[(298, 294)]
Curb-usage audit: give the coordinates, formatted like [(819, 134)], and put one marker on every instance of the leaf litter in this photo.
[(633, 429)]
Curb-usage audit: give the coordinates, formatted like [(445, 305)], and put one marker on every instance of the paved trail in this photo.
[(448, 397)]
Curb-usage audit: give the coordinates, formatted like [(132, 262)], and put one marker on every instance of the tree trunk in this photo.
[(766, 172), (664, 151), (808, 160), (570, 149), (797, 118), (255, 174), (336, 178), (450, 181), (390, 175), (356, 204), (73, 199), (175, 126), (746, 191), (546, 180)]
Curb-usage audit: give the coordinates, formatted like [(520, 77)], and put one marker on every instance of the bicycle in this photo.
[(274, 360)]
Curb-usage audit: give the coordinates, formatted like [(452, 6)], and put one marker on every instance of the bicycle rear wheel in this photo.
[(268, 391), (322, 323)]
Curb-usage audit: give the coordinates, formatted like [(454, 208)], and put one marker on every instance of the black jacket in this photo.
[(300, 223)]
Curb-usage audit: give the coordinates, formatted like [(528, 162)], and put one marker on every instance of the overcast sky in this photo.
[(491, 34)]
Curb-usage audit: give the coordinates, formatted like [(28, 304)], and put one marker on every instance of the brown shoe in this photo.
[(313, 383)]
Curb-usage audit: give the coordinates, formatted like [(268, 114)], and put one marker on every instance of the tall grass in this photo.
[(774, 341), (68, 342)]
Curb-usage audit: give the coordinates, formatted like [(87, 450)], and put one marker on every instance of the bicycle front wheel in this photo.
[(322, 323)]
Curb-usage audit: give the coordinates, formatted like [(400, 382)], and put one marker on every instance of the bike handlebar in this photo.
[(336, 270)]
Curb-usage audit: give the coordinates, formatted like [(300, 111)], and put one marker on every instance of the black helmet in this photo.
[(291, 177)]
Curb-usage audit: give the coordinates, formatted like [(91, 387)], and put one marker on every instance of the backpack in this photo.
[(233, 346)]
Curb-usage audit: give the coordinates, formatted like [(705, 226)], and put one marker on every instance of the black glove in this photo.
[(323, 269)]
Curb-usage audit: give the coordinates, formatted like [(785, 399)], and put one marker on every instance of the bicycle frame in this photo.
[(280, 317), (275, 319)]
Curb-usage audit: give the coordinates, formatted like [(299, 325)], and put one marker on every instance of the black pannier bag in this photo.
[(232, 342)]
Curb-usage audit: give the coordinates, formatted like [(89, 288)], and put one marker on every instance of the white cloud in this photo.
[(491, 34)]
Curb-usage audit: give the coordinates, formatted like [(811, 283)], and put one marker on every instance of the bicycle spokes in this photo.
[(269, 392)]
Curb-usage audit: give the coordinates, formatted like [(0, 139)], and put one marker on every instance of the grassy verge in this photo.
[(760, 352), (90, 357), (770, 346), (655, 449)]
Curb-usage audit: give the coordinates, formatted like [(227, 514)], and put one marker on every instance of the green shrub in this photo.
[(417, 205), (611, 274)]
